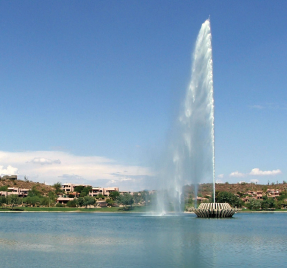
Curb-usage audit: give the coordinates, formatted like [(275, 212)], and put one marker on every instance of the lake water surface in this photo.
[(137, 240)]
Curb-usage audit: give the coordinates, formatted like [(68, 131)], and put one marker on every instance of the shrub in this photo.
[(254, 204), (227, 197), (44, 201), (72, 203), (4, 188)]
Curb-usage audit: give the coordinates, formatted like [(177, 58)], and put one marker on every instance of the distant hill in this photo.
[(206, 188), (41, 187), (203, 189)]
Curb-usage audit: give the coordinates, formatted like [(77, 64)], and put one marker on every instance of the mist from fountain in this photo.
[(189, 157)]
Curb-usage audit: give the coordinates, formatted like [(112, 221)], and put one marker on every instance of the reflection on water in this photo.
[(134, 240)]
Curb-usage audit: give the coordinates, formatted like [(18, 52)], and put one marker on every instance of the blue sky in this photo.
[(103, 80)]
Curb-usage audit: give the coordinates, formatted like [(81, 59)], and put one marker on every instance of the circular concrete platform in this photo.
[(214, 210)]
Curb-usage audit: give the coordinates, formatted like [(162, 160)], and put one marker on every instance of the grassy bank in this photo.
[(261, 211), (69, 209)]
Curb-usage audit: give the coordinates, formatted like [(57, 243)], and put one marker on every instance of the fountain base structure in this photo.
[(214, 210)]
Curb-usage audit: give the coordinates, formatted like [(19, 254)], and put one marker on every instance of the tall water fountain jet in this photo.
[(190, 157), (197, 118)]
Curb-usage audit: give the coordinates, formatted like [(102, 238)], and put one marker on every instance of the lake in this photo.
[(138, 240)]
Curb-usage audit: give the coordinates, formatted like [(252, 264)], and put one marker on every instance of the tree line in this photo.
[(266, 203), (82, 199)]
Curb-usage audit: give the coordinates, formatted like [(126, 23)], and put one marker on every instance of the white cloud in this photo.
[(9, 170), (236, 174), (125, 179), (218, 181), (94, 170), (44, 161), (258, 172), (220, 176), (120, 180)]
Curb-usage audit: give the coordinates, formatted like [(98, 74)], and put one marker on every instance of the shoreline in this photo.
[(120, 212), (255, 211)]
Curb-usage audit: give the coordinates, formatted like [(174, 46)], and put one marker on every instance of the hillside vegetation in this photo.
[(206, 188), (26, 184)]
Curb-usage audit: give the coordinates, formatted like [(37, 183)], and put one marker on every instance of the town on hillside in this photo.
[(14, 192), (23, 193), (241, 195)]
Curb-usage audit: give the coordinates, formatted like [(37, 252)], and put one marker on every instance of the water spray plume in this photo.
[(190, 157)]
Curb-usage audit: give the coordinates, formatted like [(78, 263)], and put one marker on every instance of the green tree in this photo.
[(126, 200), (13, 200), (52, 198), (282, 196), (230, 198), (240, 194), (34, 192), (4, 188), (114, 195), (110, 202), (80, 201), (79, 189), (44, 201), (32, 200), (58, 188), (137, 198), (72, 203), (88, 201), (267, 203), (254, 204), (85, 191), (3, 200), (264, 189), (100, 196)]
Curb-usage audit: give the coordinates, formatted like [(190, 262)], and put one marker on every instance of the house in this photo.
[(251, 193), (70, 187), (3, 193), (273, 193), (96, 191), (245, 199), (104, 191), (14, 190), (23, 192), (108, 190)]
